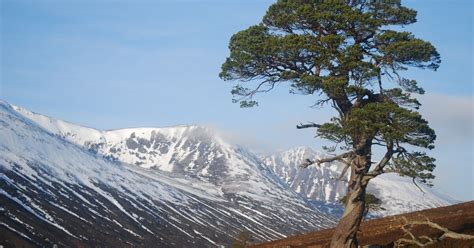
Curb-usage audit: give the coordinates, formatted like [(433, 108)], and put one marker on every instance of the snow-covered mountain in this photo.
[(313, 183), (191, 151), (398, 194), (66, 184)]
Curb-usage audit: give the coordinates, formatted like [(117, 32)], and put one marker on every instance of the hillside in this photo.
[(458, 218)]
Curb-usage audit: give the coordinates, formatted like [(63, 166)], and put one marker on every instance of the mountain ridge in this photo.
[(55, 192)]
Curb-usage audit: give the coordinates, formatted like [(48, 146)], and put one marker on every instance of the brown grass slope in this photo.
[(458, 218)]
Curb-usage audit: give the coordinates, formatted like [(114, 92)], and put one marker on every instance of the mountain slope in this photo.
[(398, 194), (179, 151), (56, 192), (191, 151)]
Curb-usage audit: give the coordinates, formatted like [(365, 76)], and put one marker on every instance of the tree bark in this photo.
[(345, 234)]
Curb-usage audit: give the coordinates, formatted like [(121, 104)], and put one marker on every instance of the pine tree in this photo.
[(351, 54)]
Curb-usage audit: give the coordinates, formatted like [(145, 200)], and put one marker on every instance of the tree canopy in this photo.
[(352, 56)]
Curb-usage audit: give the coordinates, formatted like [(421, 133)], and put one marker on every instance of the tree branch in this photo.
[(309, 125), (414, 182), (344, 172), (379, 168), (318, 162)]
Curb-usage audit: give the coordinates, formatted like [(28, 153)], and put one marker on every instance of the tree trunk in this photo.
[(346, 230)]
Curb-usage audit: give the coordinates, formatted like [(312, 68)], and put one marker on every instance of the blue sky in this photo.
[(115, 64)]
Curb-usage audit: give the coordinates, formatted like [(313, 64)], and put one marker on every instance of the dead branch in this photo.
[(309, 125), (318, 162), (423, 240)]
